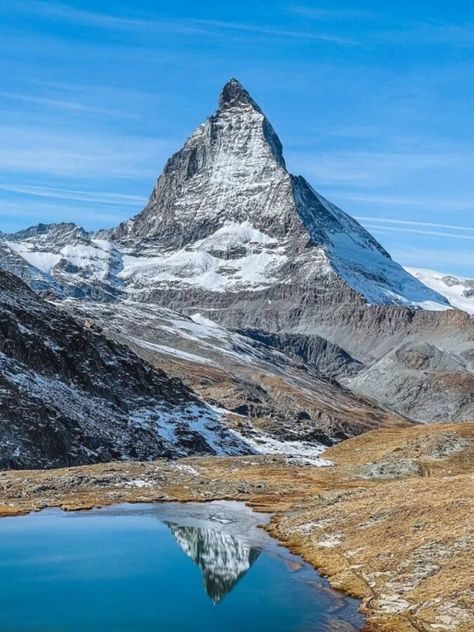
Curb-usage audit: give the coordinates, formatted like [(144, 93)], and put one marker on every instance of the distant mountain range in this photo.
[(458, 290), (262, 298)]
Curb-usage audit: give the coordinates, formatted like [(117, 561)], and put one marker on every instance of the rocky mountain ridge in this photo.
[(230, 235), (226, 217)]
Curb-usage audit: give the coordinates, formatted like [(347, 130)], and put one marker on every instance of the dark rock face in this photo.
[(328, 359), (71, 396)]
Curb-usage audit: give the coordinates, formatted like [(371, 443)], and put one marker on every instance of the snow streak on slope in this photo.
[(236, 256)]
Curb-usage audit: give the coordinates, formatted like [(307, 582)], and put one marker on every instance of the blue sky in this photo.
[(373, 103)]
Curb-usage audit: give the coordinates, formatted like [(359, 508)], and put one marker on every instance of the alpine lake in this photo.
[(160, 567)]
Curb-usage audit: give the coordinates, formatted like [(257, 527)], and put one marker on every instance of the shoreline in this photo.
[(369, 535)]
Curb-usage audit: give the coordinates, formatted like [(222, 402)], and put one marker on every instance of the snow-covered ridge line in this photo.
[(457, 289)]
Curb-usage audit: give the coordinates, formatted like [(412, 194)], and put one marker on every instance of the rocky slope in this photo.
[(277, 402), (70, 396), (421, 381)]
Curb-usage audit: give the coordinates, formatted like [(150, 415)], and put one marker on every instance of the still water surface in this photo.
[(166, 567)]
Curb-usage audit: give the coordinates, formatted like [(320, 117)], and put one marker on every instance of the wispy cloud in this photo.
[(442, 260), (323, 14), (74, 106), (76, 153), (68, 13), (274, 32), (73, 194), (384, 220), (375, 167), (419, 200), (416, 231)]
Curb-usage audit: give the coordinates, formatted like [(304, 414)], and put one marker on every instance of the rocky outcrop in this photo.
[(326, 358), (71, 396)]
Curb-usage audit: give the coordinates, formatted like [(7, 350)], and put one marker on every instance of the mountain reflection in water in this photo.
[(222, 558)]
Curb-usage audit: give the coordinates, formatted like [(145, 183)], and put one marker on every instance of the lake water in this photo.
[(161, 567)]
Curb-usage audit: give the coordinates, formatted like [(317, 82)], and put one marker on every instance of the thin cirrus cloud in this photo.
[(73, 194), (374, 167), (80, 154), (317, 13), (67, 13), (416, 231), (64, 12), (435, 259), (423, 202), (275, 32), (384, 220), (75, 106)]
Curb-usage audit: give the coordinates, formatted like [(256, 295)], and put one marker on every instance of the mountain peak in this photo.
[(234, 94), (226, 204)]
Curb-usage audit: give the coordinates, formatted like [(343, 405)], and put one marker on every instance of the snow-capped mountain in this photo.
[(230, 234), (458, 290), (64, 260), (225, 217)]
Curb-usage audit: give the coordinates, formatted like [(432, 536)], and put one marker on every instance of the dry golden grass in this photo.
[(390, 523)]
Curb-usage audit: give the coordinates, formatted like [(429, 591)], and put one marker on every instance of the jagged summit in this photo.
[(226, 217), (231, 217), (234, 94)]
